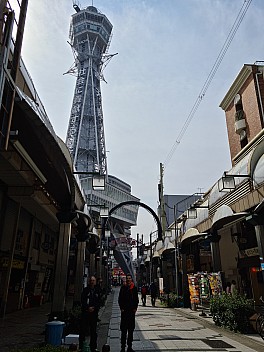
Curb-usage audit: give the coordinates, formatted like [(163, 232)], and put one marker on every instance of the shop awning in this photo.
[(225, 216), (190, 235)]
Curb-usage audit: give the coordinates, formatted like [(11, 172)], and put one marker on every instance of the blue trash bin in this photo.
[(54, 332)]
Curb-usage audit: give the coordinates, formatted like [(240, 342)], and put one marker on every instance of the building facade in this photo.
[(39, 195), (222, 232)]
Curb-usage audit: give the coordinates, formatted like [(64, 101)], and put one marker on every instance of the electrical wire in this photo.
[(220, 57)]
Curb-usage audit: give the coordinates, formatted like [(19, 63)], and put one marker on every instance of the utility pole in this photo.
[(161, 201), (162, 220)]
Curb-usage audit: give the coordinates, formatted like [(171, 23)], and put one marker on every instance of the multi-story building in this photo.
[(224, 230), (36, 184)]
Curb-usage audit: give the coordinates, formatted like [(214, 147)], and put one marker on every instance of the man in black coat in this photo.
[(128, 303), (153, 293), (91, 303)]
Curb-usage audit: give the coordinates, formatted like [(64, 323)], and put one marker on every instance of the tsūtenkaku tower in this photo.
[(90, 34)]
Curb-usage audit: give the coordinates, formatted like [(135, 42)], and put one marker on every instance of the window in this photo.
[(240, 123)]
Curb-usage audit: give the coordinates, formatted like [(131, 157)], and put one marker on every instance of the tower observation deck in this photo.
[(90, 34)]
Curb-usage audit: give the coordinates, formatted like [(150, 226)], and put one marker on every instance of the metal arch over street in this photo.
[(143, 205)]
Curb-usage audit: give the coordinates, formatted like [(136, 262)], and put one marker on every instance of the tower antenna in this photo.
[(76, 5)]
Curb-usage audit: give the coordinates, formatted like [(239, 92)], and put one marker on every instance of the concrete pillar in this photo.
[(185, 284), (216, 257), (61, 271), (79, 274)]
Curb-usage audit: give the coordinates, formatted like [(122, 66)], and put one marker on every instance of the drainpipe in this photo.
[(259, 95)]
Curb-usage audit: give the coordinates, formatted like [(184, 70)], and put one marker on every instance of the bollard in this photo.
[(106, 348)]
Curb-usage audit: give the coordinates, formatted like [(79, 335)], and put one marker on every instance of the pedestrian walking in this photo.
[(153, 293), (91, 303), (144, 291), (128, 303), (102, 290)]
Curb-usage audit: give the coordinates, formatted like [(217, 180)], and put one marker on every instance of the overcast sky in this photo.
[(166, 50)]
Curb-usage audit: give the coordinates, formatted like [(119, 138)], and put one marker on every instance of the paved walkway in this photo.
[(157, 329), (167, 329)]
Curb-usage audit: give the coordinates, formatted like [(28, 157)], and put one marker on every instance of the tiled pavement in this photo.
[(164, 329)]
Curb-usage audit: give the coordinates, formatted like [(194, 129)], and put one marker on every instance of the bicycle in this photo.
[(260, 319)]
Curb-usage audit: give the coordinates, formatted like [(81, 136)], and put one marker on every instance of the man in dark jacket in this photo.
[(153, 293), (91, 303), (128, 303)]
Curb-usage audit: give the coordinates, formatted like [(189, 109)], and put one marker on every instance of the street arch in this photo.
[(145, 206)]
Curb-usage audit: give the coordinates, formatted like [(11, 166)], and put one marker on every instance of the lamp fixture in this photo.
[(104, 212), (98, 180), (192, 211), (227, 181), (107, 233)]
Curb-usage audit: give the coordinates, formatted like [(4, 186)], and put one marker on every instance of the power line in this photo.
[(210, 77)]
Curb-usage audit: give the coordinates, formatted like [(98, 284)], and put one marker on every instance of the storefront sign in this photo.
[(251, 252), (16, 264)]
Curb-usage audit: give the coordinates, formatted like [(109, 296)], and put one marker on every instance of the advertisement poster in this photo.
[(194, 288), (204, 287), (215, 283), (161, 285)]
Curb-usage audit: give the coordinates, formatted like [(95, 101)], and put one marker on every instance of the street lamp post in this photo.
[(151, 275), (176, 253)]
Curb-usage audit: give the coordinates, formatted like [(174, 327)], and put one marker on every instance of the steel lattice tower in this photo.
[(90, 34)]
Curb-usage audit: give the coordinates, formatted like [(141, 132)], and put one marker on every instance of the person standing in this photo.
[(91, 303), (153, 293), (144, 291), (128, 303)]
